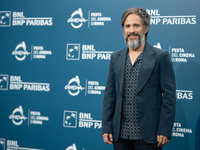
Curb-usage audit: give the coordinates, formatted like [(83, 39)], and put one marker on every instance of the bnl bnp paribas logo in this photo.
[(70, 119), (16, 83), (5, 18), (13, 145), (37, 52), (19, 19), (3, 82), (74, 119), (157, 18), (94, 19), (74, 87), (76, 51), (2, 144)]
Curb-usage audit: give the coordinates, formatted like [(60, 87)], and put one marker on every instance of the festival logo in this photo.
[(180, 131), (73, 87), (91, 87), (20, 51), (77, 22), (72, 147), (157, 46), (17, 116), (93, 19), (34, 117), (37, 52), (178, 54)]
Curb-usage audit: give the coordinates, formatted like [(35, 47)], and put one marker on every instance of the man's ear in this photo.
[(147, 29)]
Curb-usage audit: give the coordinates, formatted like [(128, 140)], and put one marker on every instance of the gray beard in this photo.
[(135, 44)]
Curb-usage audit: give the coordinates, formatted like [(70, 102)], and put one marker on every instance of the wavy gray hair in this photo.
[(144, 16)]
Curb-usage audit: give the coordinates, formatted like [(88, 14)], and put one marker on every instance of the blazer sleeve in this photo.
[(168, 88), (109, 100)]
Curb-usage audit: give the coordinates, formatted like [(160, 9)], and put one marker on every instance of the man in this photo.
[(139, 99)]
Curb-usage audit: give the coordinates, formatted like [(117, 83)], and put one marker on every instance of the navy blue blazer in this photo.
[(156, 94)]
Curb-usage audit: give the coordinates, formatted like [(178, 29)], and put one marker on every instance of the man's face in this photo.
[(134, 32)]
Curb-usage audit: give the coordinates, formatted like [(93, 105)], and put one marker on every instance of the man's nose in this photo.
[(132, 29)]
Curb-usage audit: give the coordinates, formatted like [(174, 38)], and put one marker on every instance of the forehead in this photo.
[(133, 18)]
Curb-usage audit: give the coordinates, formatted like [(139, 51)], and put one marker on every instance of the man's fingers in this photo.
[(159, 139), (107, 138), (162, 140), (111, 137), (166, 140)]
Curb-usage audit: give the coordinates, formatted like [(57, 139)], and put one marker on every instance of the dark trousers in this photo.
[(134, 145)]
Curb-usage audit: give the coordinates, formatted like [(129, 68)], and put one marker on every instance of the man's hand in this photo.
[(107, 138), (162, 140)]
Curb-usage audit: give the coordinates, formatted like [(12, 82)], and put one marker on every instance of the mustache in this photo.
[(133, 33)]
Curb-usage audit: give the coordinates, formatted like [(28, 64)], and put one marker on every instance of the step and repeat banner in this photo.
[(54, 58)]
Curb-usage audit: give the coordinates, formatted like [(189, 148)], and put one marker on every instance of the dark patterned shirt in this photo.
[(129, 121)]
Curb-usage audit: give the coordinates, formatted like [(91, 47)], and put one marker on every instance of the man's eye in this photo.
[(127, 26)]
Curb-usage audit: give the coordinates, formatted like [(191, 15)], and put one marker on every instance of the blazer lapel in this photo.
[(148, 62), (120, 64)]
